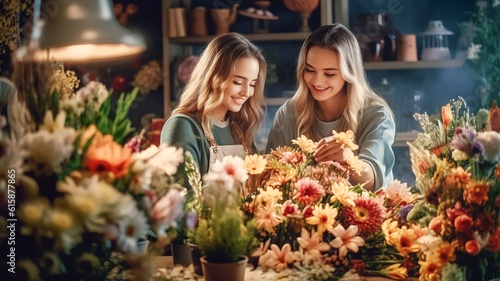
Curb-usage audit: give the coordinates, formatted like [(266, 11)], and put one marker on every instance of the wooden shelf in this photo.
[(392, 65), (287, 36)]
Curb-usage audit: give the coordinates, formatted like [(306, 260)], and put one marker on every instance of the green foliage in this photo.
[(223, 237), (120, 126), (486, 22), (422, 213)]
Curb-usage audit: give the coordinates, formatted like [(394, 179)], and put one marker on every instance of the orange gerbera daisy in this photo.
[(105, 155)]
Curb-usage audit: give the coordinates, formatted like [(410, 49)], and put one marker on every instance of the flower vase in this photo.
[(181, 254), (304, 8), (234, 271)]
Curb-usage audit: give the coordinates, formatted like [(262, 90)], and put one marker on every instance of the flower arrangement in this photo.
[(148, 78), (221, 234), (81, 196), (483, 52), (456, 164), (313, 222)]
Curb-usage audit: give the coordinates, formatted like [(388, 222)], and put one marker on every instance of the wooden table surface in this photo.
[(164, 261)]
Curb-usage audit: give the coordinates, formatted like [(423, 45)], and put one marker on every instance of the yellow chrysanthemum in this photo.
[(305, 144), (389, 227), (429, 271), (323, 217), (443, 254), (346, 139), (269, 196), (255, 164), (342, 193), (355, 164), (406, 241)]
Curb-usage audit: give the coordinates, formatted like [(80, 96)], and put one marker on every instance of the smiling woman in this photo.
[(219, 108), (334, 96)]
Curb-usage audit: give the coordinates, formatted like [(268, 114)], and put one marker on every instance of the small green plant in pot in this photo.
[(221, 235)]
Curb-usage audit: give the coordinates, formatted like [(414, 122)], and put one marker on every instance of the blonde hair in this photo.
[(339, 39), (204, 90)]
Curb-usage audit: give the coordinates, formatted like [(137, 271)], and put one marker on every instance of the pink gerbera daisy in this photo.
[(307, 191), (367, 214)]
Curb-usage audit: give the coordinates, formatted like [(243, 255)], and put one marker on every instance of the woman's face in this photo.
[(322, 74), (241, 86)]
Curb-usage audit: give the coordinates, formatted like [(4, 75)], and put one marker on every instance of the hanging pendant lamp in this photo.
[(79, 31)]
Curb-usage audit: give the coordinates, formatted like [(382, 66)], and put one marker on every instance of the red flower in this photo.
[(472, 247), (366, 214), (463, 223)]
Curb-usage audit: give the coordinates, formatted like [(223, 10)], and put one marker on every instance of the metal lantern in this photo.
[(435, 43)]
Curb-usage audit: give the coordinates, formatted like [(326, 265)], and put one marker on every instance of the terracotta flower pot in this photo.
[(234, 271)]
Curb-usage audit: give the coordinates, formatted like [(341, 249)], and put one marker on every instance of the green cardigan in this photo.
[(185, 131)]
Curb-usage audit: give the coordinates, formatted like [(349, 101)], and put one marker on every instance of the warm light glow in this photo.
[(89, 35), (87, 52), (75, 12)]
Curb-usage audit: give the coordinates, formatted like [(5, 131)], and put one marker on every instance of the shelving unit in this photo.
[(329, 10), (391, 65)]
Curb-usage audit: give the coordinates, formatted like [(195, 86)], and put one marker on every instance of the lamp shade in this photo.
[(81, 31)]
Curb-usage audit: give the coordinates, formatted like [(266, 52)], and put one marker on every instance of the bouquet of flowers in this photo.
[(456, 164), (312, 221), (77, 197)]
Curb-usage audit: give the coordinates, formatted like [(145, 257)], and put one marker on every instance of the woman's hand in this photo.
[(328, 149)]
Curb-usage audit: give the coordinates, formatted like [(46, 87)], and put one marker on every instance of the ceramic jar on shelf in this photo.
[(376, 36)]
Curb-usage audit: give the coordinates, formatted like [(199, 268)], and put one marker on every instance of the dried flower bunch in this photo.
[(456, 161)]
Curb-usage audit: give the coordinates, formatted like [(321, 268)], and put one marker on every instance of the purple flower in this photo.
[(465, 140), (403, 212)]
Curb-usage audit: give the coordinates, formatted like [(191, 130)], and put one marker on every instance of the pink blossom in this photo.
[(307, 191), (167, 211)]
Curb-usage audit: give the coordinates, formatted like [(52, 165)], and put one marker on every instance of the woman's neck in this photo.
[(332, 109), (220, 115)]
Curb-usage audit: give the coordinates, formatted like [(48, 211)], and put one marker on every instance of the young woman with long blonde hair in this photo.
[(220, 108), (333, 94)]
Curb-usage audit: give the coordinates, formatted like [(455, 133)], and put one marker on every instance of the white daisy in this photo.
[(132, 227)]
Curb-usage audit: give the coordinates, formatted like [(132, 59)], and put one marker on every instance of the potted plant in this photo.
[(221, 235)]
